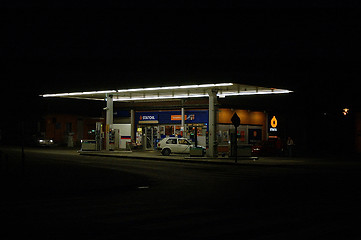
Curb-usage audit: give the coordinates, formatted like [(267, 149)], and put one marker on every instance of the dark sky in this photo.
[(313, 51)]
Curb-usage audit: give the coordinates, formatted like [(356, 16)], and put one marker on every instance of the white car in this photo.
[(174, 145)]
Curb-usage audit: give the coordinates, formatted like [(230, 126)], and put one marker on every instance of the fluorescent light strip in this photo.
[(176, 87), (224, 94), (85, 98), (263, 92), (137, 90), (159, 98), (279, 91), (78, 93)]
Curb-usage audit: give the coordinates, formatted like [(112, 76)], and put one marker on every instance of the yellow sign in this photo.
[(274, 122)]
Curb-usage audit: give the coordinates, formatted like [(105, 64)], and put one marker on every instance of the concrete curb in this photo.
[(220, 161), (160, 158)]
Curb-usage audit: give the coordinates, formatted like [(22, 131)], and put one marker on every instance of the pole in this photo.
[(212, 123), (182, 122), (132, 125), (236, 147), (195, 136), (236, 122), (109, 120)]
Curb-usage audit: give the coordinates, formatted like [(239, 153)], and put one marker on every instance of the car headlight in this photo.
[(51, 141), (41, 141)]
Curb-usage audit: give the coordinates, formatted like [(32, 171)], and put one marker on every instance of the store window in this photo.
[(169, 130), (241, 136), (177, 130), (225, 136), (161, 130), (138, 136)]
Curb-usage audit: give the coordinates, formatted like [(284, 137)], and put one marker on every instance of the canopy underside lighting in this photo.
[(172, 92)]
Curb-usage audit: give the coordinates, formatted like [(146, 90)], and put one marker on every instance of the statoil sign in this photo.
[(274, 124), (148, 118)]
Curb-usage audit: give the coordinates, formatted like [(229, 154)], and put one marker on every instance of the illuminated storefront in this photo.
[(151, 126), (252, 130), (154, 125)]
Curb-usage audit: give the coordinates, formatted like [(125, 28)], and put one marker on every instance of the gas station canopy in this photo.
[(172, 92), (210, 91)]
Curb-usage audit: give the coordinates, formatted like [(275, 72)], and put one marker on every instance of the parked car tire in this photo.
[(166, 152)]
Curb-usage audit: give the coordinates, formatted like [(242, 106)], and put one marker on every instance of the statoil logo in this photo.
[(150, 117), (273, 124)]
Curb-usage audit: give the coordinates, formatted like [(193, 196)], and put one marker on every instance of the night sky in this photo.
[(313, 51)]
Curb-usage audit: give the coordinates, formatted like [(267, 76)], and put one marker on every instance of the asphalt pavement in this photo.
[(58, 194)]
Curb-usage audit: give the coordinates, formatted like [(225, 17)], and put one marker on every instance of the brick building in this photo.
[(59, 126)]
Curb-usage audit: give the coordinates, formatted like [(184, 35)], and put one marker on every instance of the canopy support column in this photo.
[(109, 121), (212, 141), (132, 125), (183, 130)]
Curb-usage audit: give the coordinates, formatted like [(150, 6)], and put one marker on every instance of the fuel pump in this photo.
[(114, 139), (99, 135), (111, 139)]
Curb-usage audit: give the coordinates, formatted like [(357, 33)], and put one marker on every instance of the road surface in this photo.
[(59, 194)]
